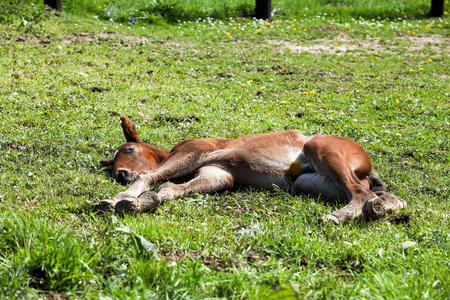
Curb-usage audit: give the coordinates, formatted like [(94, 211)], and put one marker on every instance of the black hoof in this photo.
[(104, 206), (373, 208)]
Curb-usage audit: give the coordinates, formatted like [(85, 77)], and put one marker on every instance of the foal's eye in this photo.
[(130, 149)]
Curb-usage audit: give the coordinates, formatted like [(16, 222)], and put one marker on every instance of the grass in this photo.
[(66, 80)]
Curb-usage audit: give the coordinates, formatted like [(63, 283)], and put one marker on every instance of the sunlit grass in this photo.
[(379, 80)]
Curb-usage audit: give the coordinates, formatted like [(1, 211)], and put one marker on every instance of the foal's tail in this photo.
[(376, 185)]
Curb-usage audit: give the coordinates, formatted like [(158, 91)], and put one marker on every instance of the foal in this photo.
[(334, 167)]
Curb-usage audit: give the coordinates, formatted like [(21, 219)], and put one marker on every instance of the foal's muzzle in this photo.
[(124, 177)]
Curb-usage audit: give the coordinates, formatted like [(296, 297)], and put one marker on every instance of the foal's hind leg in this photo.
[(185, 158), (391, 202), (346, 163), (209, 179)]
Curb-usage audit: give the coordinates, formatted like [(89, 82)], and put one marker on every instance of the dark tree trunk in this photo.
[(55, 4), (437, 8), (263, 9)]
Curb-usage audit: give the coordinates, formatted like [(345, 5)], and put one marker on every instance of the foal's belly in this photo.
[(262, 161), (267, 173)]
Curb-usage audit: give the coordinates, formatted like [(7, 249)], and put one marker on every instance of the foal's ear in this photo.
[(107, 162), (129, 131)]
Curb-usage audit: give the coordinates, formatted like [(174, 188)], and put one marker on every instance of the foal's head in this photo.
[(134, 156)]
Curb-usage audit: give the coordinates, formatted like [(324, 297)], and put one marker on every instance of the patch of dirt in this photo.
[(255, 257), (420, 42), (320, 46), (321, 264), (110, 37), (122, 40), (84, 38), (240, 210), (97, 89), (39, 278), (216, 263), (174, 120), (17, 147), (326, 29), (343, 45), (224, 75), (113, 113), (339, 45), (178, 255), (53, 296), (400, 219), (303, 262)]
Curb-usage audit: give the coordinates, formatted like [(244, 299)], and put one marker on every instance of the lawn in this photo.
[(345, 68)]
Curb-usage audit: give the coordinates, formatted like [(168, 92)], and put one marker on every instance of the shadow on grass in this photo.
[(393, 12), (378, 14)]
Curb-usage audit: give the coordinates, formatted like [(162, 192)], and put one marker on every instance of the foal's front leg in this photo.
[(184, 160), (136, 189), (210, 179)]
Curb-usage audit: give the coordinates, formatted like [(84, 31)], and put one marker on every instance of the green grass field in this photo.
[(376, 72)]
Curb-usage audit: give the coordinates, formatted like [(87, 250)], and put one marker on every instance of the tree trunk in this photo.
[(263, 9), (55, 4), (437, 8)]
